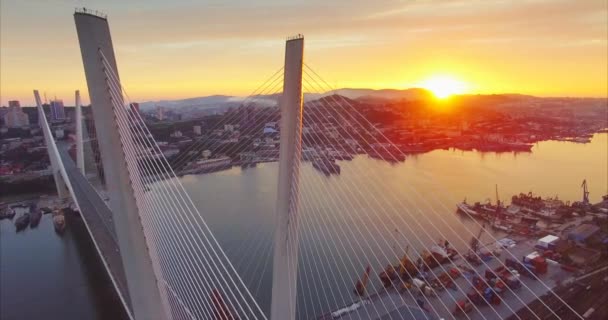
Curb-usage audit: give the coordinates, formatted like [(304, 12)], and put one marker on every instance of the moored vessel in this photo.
[(59, 223), (22, 222), (326, 166), (35, 216), (7, 213)]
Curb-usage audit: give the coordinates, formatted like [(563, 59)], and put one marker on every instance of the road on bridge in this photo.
[(98, 218)]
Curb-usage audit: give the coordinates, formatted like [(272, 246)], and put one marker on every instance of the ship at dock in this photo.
[(328, 167), (22, 222), (527, 212), (207, 166), (35, 216), (7, 213), (390, 155), (59, 221)]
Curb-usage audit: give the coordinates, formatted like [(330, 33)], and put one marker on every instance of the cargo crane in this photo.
[(475, 240), (407, 269), (472, 255), (362, 283), (497, 199), (585, 192)]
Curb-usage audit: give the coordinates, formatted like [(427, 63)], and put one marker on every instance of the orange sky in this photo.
[(181, 49)]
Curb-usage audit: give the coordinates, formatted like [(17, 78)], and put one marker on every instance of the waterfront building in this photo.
[(57, 110), (15, 117), (14, 104), (160, 113), (197, 130)]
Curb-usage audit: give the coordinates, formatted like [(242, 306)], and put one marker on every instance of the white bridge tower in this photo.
[(142, 278), (285, 263)]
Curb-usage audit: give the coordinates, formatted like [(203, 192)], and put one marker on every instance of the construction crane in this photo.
[(472, 255), (362, 283), (585, 192), (497, 199), (406, 268), (475, 240)]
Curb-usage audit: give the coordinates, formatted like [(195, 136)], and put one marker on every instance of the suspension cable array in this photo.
[(196, 278), (357, 223), (361, 223)]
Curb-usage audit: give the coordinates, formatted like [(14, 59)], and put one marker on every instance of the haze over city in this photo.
[(182, 49)]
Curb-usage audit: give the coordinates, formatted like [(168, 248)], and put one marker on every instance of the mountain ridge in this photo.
[(365, 95)]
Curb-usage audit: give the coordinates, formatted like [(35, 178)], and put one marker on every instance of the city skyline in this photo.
[(184, 49)]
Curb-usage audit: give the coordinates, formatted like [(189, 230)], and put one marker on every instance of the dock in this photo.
[(392, 304)]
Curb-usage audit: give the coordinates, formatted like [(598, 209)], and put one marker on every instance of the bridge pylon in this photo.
[(147, 295), (285, 261), (60, 181), (79, 134)]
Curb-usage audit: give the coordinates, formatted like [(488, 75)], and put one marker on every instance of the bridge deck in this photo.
[(98, 219)]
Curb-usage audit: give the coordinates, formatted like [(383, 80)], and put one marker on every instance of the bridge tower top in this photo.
[(285, 265), (142, 276)]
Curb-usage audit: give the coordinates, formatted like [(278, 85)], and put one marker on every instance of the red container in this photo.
[(540, 265)]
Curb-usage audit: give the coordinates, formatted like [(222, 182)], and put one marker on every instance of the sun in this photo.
[(444, 86)]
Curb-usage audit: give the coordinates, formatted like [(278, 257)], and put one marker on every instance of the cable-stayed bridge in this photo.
[(166, 262)]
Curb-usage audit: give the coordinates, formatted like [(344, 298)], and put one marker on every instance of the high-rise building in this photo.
[(197, 130), (160, 113), (15, 117), (14, 103), (57, 110)]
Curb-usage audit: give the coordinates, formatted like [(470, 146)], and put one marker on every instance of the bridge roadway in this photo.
[(98, 219)]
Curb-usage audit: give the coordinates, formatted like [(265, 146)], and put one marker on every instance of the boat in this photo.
[(339, 155), (326, 166), (35, 216), (387, 155), (466, 209), (519, 146), (581, 140), (7, 213), (59, 223), (439, 253), (22, 222), (207, 165), (487, 208), (498, 225)]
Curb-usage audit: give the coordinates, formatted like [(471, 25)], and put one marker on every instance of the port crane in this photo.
[(361, 284), (475, 240), (472, 255), (407, 269), (497, 199), (585, 192)]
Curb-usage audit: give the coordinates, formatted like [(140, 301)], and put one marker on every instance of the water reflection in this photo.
[(46, 275), (375, 209)]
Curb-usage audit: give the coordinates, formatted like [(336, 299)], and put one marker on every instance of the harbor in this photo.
[(254, 187), (507, 274), (48, 274), (427, 297), (28, 213)]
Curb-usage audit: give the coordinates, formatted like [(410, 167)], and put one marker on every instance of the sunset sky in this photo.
[(187, 48)]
